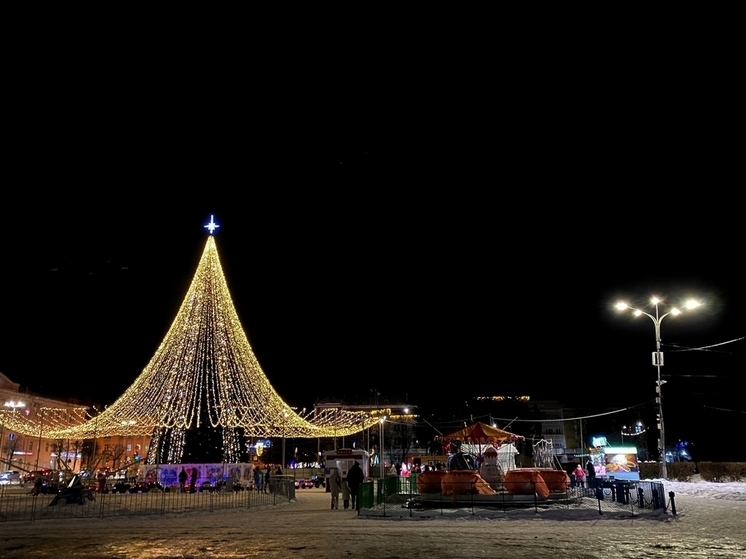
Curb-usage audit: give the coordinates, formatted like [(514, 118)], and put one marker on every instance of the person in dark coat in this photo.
[(193, 480), (258, 478), (591, 469), (38, 485), (183, 479), (355, 478)]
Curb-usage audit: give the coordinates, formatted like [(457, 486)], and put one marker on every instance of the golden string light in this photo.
[(204, 370), (43, 420)]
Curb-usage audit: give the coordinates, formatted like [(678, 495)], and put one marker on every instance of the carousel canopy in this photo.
[(481, 433)]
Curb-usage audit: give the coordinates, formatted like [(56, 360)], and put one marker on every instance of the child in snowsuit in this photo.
[(345, 494), (579, 476)]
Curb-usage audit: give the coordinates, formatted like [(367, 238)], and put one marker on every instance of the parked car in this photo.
[(303, 483), (30, 477), (47, 487), (318, 480), (10, 476)]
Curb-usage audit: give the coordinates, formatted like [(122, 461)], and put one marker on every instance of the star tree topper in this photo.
[(212, 225)]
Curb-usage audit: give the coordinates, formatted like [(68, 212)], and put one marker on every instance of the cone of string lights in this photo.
[(203, 386)]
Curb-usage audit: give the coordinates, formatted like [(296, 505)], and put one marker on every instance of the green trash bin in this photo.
[(365, 497)]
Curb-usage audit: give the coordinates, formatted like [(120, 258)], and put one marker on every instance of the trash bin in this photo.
[(365, 495)]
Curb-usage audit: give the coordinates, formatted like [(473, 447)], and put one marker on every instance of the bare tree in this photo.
[(9, 449)]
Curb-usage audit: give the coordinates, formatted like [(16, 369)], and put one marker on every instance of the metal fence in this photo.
[(17, 503), (397, 496), (390, 496)]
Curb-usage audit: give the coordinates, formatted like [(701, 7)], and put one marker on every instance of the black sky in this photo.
[(382, 230), (438, 288)]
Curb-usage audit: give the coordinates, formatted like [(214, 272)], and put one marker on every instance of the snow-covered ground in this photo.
[(710, 523), (723, 491)]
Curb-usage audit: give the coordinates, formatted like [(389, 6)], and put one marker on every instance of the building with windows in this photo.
[(551, 416), (22, 451)]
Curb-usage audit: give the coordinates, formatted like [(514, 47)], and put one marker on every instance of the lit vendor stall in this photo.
[(616, 463), (343, 459)]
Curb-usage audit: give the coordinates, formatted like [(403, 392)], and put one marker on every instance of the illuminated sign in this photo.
[(599, 441)]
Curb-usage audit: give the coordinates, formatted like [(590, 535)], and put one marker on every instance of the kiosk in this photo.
[(343, 459), (616, 463)]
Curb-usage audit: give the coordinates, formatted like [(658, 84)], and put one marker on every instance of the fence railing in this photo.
[(389, 496), (396, 495), (19, 503)]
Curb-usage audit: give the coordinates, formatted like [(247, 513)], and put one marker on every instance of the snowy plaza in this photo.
[(710, 522)]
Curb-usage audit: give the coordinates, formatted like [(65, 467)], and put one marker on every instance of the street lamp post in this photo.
[(380, 437), (284, 422), (38, 446), (374, 394), (126, 423), (92, 458), (658, 363)]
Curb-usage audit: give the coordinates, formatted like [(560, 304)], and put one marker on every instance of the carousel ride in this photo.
[(481, 475)]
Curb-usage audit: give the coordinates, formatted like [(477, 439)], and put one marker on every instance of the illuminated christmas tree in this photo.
[(204, 378)]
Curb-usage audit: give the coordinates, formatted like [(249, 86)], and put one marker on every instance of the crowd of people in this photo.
[(262, 480), (191, 477)]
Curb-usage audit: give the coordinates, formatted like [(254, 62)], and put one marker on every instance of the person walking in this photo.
[(355, 478), (193, 480), (335, 485), (38, 485), (101, 477), (183, 479), (579, 476), (345, 494), (266, 479), (591, 469), (257, 480)]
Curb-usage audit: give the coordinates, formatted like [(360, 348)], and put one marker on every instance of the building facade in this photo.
[(26, 453)]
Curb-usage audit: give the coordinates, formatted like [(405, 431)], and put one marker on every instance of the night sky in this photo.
[(432, 292), (413, 246)]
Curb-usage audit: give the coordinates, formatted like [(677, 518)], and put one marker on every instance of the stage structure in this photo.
[(203, 374)]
